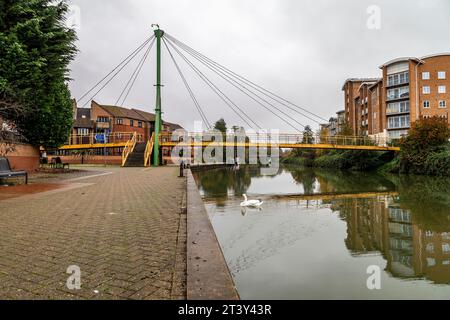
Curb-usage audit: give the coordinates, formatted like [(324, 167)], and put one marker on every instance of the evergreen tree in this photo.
[(35, 50)]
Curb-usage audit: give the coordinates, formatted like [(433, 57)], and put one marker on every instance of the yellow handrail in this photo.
[(148, 150), (129, 147)]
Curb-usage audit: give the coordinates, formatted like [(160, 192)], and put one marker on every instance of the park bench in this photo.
[(6, 172), (57, 163)]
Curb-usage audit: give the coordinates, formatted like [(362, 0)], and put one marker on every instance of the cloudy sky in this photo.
[(301, 50)]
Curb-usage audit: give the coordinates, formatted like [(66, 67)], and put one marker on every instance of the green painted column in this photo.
[(158, 121)]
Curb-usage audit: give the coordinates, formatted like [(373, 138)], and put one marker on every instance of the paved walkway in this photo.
[(125, 231)]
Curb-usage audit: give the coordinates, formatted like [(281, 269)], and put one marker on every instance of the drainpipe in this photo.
[(417, 90)]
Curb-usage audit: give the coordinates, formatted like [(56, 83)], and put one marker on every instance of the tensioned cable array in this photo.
[(260, 89), (252, 96), (264, 98), (191, 93), (135, 75), (233, 106), (120, 66)]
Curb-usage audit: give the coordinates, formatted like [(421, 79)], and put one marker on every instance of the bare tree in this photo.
[(9, 109)]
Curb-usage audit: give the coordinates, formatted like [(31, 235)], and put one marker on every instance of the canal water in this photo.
[(322, 234)]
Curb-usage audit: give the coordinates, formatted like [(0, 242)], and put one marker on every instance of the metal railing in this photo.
[(129, 147), (148, 150), (282, 140), (101, 138)]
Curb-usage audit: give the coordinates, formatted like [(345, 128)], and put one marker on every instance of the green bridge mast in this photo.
[(158, 121)]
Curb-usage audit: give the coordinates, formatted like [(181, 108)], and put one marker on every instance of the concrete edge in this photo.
[(208, 276)]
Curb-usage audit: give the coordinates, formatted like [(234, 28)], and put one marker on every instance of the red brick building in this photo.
[(410, 88)]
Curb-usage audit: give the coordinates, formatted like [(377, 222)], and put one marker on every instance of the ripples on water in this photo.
[(318, 231)]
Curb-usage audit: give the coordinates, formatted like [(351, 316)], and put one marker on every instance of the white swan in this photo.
[(251, 203)]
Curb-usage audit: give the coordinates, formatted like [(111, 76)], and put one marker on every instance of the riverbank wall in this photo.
[(208, 276)]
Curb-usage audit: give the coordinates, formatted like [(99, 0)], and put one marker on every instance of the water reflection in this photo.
[(404, 220)]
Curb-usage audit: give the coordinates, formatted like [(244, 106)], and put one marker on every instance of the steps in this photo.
[(136, 158)]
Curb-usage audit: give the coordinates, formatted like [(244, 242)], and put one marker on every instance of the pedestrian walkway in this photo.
[(125, 230)]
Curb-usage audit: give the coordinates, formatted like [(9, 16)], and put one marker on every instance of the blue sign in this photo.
[(100, 138)]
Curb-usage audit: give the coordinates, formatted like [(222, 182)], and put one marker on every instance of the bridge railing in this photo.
[(283, 139), (101, 138)]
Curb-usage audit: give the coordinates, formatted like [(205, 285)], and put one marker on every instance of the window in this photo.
[(397, 107), (430, 248), (445, 248), (441, 89), (425, 76), (441, 74), (426, 89), (140, 124), (83, 131), (431, 262), (102, 119), (398, 122), (399, 78), (426, 104), (442, 104), (119, 121), (398, 93), (131, 123)]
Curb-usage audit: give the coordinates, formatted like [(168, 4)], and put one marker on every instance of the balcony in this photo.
[(397, 94), (397, 108), (398, 79)]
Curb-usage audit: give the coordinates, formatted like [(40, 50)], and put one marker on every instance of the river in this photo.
[(321, 234)]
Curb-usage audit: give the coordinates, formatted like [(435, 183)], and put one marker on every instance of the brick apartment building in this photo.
[(113, 122), (110, 119), (410, 88)]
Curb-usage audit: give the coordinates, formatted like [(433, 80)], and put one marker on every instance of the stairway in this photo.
[(136, 158)]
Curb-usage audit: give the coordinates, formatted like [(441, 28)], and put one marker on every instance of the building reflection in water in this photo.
[(411, 230), (382, 225)]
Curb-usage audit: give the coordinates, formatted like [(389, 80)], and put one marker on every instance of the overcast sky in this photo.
[(302, 50)]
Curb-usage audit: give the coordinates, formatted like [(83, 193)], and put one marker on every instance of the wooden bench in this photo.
[(6, 172), (57, 163)]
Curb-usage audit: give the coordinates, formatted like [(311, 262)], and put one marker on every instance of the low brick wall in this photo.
[(24, 157), (109, 160)]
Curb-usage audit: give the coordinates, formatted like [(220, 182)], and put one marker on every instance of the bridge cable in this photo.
[(238, 86), (112, 78), (211, 65), (118, 66), (191, 93), (216, 90), (262, 90), (134, 75)]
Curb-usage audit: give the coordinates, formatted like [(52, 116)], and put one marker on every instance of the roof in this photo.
[(370, 83), (402, 59), (83, 119), (173, 126), (376, 83), (435, 55), (359, 80), (136, 114), (340, 111), (121, 112), (146, 115)]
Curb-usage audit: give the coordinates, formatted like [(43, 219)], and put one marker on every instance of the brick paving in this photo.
[(126, 231)]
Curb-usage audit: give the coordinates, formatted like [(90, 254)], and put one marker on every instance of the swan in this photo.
[(250, 203)]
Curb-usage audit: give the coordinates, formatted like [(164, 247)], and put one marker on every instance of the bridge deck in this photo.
[(195, 140)]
